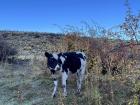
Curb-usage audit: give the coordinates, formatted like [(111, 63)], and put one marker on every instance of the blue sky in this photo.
[(41, 15)]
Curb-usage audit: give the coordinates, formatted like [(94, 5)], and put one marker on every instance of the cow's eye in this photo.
[(51, 60)]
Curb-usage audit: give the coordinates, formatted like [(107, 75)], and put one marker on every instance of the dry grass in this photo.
[(30, 84)]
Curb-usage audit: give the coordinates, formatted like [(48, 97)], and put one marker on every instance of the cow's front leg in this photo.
[(64, 79), (55, 87)]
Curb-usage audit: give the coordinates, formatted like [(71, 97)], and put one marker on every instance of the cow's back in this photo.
[(73, 61)]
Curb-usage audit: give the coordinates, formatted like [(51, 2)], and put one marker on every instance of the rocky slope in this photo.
[(29, 44)]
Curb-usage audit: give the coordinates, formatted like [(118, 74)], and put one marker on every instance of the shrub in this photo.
[(6, 50)]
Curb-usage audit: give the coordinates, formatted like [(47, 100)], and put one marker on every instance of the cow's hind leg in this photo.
[(64, 80), (80, 77)]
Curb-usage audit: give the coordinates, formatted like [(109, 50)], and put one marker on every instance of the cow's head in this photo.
[(54, 63)]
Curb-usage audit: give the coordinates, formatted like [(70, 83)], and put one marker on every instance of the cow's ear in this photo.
[(48, 54)]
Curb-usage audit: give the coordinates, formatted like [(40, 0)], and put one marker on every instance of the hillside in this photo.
[(28, 81), (31, 42)]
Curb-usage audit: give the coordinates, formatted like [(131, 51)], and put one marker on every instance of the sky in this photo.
[(47, 15)]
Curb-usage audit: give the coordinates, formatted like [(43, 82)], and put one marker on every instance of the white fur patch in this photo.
[(78, 52), (56, 67), (55, 56), (55, 88), (83, 62), (62, 59), (64, 78), (83, 65)]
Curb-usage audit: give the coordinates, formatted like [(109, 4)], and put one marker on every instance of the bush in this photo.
[(6, 50)]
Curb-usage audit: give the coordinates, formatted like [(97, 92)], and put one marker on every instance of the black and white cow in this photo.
[(74, 62)]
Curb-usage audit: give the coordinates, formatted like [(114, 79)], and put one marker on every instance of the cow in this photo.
[(66, 63)]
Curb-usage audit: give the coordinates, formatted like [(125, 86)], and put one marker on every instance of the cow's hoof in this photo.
[(54, 95), (65, 94), (78, 91)]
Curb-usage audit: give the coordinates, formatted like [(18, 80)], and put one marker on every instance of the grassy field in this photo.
[(30, 84)]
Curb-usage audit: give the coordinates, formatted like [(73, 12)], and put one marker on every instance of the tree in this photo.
[(130, 25)]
